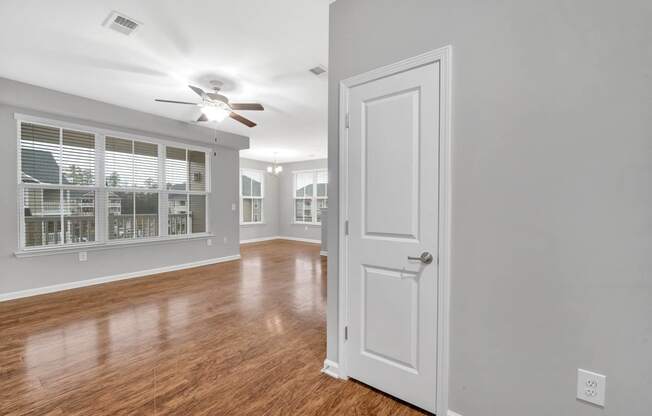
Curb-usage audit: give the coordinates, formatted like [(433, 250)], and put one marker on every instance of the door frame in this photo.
[(443, 56)]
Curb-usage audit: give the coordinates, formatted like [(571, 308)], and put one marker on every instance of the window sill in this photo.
[(46, 251), (245, 224)]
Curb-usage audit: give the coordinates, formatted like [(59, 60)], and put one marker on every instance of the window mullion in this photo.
[(187, 194), (314, 196), (101, 196), (133, 225), (188, 206), (163, 196), (61, 226), (60, 162)]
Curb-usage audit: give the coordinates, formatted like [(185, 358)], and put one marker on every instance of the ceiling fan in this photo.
[(216, 107)]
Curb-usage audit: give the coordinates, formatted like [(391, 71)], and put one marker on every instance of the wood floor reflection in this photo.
[(239, 338)]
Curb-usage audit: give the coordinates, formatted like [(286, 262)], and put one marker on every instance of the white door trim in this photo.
[(443, 56)]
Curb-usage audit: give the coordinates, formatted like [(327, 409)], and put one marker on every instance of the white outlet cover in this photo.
[(233, 207), (591, 387), (209, 242), (83, 256)]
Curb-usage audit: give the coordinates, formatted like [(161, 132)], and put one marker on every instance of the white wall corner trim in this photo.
[(331, 368), (113, 278), (323, 253), (451, 413)]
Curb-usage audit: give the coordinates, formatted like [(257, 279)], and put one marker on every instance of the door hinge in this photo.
[(346, 333), (346, 120), (346, 227)]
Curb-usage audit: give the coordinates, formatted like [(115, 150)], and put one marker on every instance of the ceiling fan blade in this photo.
[(198, 90), (202, 117), (174, 102), (247, 106), (242, 120)]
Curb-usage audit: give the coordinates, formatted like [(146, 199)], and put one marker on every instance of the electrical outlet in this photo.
[(233, 207), (83, 256), (209, 242), (225, 240), (591, 387)]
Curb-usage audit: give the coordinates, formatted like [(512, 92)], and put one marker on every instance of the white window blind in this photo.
[(176, 169), (40, 153), (252, 184), (78, 158), (310, 195), (145, 165), (131, 165), (119, 162), (57, 177), (62, 201), (185, 177)]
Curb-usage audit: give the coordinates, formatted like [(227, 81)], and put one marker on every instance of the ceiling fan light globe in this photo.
[(270, 169), (278, 169), (215, 113)]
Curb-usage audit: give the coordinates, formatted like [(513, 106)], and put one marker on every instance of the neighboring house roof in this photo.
[(40, 167), (177, 187)]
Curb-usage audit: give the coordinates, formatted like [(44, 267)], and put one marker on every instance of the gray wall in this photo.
[(27, 273), (552, 176), (286, 227), (270, 228)]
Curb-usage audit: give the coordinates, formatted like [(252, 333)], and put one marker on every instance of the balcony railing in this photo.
[(46, 230), (130, 226)]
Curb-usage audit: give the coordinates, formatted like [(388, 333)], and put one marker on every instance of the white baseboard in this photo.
[(113, 278), (257, 240), (331, 368), (451, 413), (323, 253), (304, 240)]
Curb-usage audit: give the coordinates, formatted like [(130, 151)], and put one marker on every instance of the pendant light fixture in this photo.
[(274, 169)]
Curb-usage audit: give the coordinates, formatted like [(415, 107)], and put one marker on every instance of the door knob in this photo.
[(425, 258)]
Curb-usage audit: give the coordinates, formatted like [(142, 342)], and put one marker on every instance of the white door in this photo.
[(393, 186)]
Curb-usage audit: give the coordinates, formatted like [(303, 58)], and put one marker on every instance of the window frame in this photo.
[(102, 191), (261, 198), (314, 198)]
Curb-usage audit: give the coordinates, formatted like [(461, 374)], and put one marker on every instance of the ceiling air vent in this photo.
[(121, 23), (318, 70)]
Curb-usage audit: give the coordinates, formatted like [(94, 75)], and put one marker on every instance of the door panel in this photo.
[(382, 149), (393, 204), (390, 317)]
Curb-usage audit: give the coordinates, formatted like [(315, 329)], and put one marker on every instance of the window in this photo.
[(58, 190), (252, 184), (145, 184), (185, 178), (310, 195), (131, 170)]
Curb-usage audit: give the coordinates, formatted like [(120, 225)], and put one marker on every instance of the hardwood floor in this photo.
[(239, 338)]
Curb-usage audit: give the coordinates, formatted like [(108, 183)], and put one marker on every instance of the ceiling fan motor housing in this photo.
[(218, 100), (216, 107)]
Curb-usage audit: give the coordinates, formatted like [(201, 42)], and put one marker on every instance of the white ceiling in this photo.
[(262, 49)]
